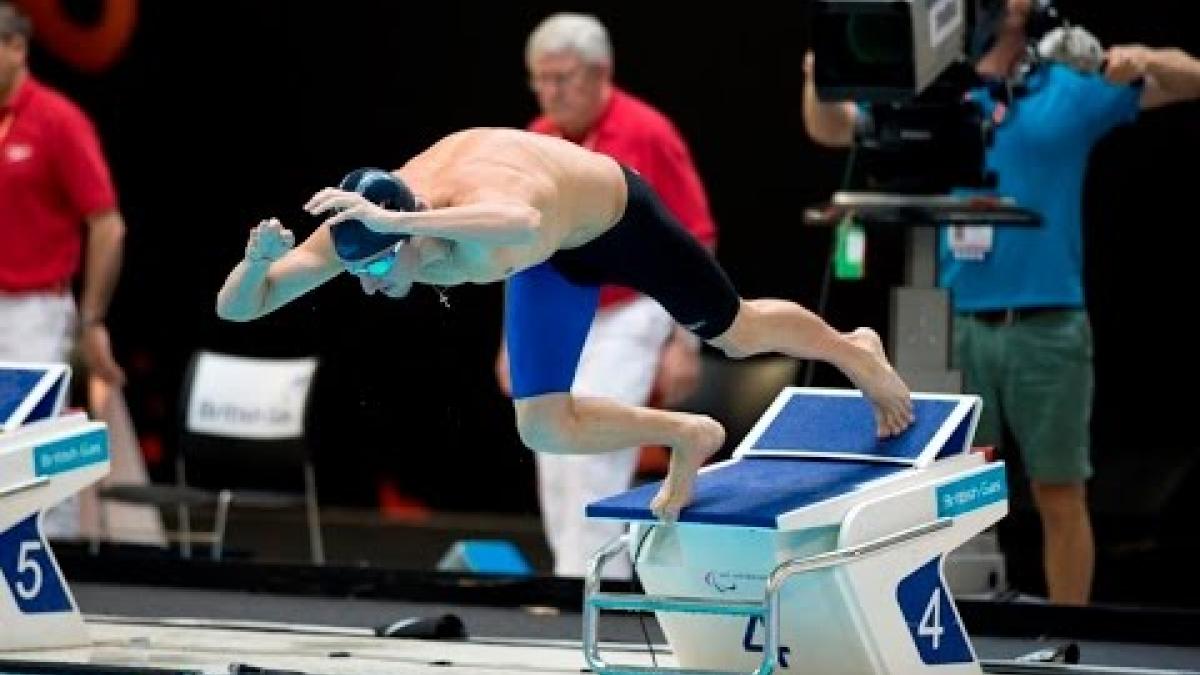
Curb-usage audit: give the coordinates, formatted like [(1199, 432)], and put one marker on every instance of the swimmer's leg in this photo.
[(568, 424), (779, 326), (547, 319), (651, 252), (562, 423)]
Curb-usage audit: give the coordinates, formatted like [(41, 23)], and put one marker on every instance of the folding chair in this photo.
[(238, 410)]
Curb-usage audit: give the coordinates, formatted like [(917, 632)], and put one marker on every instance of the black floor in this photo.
[(361, 537), (515, 623)]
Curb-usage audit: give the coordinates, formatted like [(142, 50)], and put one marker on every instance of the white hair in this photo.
[(582, 34)]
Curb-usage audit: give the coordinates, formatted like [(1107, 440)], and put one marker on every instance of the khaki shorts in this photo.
[(1036, 378)]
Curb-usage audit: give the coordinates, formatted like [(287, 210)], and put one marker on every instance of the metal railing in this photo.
[(768, 609)]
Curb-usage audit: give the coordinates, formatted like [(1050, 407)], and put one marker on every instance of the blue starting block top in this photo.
[(811, 446), (839, 424), (752, 492), (30, 392)]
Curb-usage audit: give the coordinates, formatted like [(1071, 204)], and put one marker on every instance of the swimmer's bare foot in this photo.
[(872, 373), (700, 437)]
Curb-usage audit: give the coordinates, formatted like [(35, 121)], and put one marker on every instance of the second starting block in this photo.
[(817, 548), (45, 457)]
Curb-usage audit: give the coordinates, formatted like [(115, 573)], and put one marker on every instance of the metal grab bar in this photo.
[(768, 608), (632, 602)]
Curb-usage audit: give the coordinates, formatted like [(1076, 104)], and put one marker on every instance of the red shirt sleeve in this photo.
[(674, 177), (81, 166)]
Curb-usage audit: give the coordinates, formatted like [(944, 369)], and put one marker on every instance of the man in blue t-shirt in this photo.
[(1021, 332)]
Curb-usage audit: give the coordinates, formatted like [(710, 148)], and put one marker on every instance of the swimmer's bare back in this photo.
[(579, 193)]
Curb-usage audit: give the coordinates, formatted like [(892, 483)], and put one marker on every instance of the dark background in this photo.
[(223, 113)]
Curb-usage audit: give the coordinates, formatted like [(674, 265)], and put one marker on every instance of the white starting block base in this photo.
[(42, 463), (817, 526)]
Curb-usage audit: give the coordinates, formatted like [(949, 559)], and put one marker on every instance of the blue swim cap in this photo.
[(351, 238)]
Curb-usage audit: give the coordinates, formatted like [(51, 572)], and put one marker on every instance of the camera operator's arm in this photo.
[(829, 124), (1171, 75)]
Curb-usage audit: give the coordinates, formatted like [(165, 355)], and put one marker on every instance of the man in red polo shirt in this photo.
[(633, 348), (54, 187)]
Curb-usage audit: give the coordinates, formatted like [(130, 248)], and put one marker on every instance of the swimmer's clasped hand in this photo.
[(350, 205), (269, 241)]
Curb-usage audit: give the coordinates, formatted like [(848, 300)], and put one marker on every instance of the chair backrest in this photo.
[(241, 410)]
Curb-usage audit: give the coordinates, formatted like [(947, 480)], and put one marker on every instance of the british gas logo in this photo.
[(971, 493), (92, 47)]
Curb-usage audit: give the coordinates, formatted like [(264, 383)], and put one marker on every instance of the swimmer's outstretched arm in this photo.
[(497, 221), (273, 273)]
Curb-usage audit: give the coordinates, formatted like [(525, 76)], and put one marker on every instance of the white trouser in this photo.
[(40, 327), (619, 361), (36, 327)]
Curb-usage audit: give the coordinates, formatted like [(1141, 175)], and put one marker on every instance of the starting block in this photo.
[(817, 548), (44, 459)]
